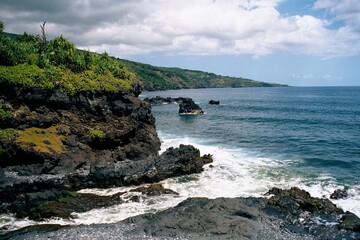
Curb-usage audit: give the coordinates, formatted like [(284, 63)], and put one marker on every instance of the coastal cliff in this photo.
[(51, 142)]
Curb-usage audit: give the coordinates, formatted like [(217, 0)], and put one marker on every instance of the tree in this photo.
[(1, 26)]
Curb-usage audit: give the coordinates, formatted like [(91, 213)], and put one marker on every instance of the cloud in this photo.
[(199, 27), (331, 77), (347, 11), (304, 76)]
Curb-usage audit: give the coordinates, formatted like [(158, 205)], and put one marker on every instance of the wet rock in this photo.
[(154, 190), (223, 218), (339, 194), (214, 102), (350, 222), (189, 107)]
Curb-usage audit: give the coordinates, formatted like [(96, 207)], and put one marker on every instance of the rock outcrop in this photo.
[(214, 102), (187, 106), (52, 142)]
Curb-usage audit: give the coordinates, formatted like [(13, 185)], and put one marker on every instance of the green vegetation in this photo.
[(7, 134), (33, 61), (28, 60), (161, 78), (4, 112), (41, 140), (95, 133)]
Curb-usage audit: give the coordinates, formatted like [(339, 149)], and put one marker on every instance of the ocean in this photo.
[(308, 137)]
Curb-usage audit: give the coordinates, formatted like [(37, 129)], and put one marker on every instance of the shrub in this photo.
[(95, 133), (7, 134), (4, 113)]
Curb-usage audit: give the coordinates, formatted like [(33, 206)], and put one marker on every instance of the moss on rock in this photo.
[(42, 140)]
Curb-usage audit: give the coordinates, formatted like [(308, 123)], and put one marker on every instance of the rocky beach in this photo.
[(59, 144)]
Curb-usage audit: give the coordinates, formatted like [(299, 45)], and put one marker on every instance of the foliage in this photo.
[(7, 134), (161, 78), (4, 113), (95, 133), (32, 61)]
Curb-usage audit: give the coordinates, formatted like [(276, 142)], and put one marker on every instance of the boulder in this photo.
[(213, 102), (339, 194), (189, 107)]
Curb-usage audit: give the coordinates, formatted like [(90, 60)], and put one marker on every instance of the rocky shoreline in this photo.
[(53, 144), (287, 214)]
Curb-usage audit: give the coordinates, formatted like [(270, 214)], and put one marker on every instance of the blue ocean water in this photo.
[(303, 136)]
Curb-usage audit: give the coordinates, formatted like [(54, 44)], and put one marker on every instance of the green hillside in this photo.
[(161, 78), (34, 61)]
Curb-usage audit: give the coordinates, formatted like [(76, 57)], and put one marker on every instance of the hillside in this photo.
[(32, 60), (162, 78)]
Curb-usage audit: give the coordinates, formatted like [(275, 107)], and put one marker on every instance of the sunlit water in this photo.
[(259, 138)]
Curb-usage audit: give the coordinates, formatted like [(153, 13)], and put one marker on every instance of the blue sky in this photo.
[(295, 42)]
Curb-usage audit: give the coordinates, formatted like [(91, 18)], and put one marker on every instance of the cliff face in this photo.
[(52, 143), (47, 134)]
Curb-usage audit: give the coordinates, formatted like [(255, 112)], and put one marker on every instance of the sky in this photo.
[(294, 42)]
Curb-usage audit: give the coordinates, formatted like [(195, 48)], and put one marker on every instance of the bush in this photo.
[(95, 133), (7, 134), (4, 113), (61, 52)]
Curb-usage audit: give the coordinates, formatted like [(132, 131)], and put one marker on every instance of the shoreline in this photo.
[(287, 214)]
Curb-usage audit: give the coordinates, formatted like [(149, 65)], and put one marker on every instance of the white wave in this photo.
[(235, 173)]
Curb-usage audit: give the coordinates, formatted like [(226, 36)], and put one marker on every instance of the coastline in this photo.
[(264, 220)]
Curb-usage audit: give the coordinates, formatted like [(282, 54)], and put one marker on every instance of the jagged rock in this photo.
[(339, 193), (223, 218), (189, 107), (350, 222), (154, 190), (62, 204), (186, 105), (214, 102), (60, 142)]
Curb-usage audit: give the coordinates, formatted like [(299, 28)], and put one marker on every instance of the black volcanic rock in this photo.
[(53, 142), (214, 102), (308, 218), (189, 107), (339, 194)]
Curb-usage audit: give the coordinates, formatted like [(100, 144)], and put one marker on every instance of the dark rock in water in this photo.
[(160, 100), (186, 105), (189, 107), (350, 222), (339, 194), (295, 201), (213, 102), (48, 204), (154, 190)]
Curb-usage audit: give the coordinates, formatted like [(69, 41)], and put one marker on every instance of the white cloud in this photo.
[(331, 77), (302, 76), (197, 27), (343, 10)]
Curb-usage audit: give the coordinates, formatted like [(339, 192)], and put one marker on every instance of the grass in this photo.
[(41, 140)]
